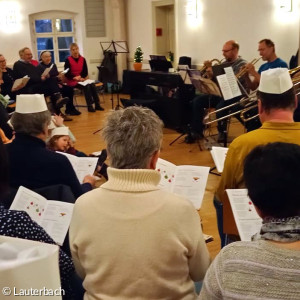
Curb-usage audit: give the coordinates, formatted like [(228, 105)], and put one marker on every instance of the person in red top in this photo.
[(78, 72)]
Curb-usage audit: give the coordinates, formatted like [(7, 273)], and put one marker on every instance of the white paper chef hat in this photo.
[(31, 103), (60, 131), (275, 81)]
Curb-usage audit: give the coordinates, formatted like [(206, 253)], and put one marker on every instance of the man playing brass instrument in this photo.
[(276, 105), (266, 49), (230, 52)]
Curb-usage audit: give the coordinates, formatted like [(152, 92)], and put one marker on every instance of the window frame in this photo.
[(53, 15)]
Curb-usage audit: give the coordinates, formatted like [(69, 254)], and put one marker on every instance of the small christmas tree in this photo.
[(138, 55)]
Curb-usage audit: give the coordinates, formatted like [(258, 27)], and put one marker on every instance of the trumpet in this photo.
[(204, 68), (243, 70), (247, 103)]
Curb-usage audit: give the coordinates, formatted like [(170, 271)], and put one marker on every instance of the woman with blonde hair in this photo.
[(78, 72)]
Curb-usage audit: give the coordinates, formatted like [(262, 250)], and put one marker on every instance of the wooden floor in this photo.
[(180, 153)]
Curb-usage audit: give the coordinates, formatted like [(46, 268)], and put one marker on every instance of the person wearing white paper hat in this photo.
[(32, 165), (276, 105), (58, 121), (267, 267), (59, 140)]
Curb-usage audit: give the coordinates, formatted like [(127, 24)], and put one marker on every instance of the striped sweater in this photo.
[(253, 270)]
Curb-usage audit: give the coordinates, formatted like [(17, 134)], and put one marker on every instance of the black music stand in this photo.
[(111, 74), (114, 47)]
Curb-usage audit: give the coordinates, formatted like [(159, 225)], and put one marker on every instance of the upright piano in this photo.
[(170, 102)]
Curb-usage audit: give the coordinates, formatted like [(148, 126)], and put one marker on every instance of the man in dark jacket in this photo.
[(37, 84)]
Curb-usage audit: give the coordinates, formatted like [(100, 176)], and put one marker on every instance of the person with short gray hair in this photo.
[(31, 123), (128, 238), (31, 164), (122, 133)]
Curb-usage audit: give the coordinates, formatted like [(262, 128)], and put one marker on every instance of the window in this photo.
[(53, 31)]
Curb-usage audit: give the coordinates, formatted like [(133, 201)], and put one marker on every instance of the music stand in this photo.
[(115, 47)]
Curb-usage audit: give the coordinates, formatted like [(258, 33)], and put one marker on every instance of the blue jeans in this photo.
[(219, 211)]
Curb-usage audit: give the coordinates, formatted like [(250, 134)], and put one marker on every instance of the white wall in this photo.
[(90, 47), (246, 21)]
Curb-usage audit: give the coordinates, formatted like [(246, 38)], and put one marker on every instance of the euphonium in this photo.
[(203, 69)]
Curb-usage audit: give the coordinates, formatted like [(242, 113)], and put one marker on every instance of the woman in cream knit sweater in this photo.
[(129, 239)]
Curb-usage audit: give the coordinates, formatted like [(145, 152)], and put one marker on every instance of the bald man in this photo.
[(230, 52)]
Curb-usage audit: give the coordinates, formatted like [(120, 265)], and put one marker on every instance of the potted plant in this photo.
[(138, 58)]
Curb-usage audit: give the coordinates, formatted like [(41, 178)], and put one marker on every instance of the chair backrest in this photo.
[(185, 60)]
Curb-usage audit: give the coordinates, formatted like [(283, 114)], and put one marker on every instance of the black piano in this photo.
[(170, 102)]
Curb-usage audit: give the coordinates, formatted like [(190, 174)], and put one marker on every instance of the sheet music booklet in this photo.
[(20, 81), (246, 218), (228, 84), (47, 70), (188, 181), (203, 85), (53, 216), (86, 82), (219, 155), (82, 165)]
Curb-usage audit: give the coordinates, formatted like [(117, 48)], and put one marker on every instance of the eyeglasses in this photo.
[(227, 50)]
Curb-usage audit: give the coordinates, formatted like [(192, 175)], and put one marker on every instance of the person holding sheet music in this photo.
[(18, 224), (37, 84), (4, 117), (31, 164), (129, 239), (78, 72), (268, 266), (60, 140), (199, 103), (66, 91), (8, 78), (276, 105)]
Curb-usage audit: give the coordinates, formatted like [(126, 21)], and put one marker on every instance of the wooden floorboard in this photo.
[(180, 153)]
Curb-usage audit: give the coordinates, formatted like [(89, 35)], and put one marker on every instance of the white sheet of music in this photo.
[(82, 165), (219, 155), (228, 84), (86, 82), (235, 89), (53, 216), (246, 218), (188, 181)]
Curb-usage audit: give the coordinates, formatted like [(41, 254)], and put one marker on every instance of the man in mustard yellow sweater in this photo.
[(128, 238), (276, 106)]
